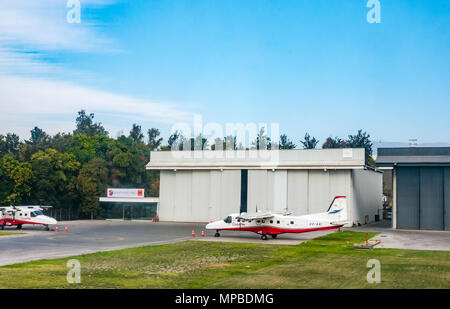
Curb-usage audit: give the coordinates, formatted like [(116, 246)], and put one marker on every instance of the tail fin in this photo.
[(338, 209)]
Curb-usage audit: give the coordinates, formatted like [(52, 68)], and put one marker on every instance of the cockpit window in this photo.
[(36, 213), (227, 219)]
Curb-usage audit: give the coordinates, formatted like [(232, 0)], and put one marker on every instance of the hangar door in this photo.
[(423, 198)]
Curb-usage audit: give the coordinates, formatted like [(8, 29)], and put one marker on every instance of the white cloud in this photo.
[(30, 30), (24, 101), (42, 25)]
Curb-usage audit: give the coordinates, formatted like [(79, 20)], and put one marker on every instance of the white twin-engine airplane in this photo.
[(19, 215), (274, 224)]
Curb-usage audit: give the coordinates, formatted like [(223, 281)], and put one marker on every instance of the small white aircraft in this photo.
[(274, 224), (19, 215)]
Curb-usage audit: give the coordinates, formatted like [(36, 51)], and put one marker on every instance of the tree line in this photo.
[(70, 171)]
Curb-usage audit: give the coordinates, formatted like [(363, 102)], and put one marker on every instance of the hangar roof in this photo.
[(347, 158), (423, 156)]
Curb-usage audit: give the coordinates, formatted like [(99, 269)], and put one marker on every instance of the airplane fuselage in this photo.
[(274, 224), (278, 224), (24, 215)]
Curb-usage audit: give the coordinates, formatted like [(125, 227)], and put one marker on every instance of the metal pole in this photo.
[(394, 198)]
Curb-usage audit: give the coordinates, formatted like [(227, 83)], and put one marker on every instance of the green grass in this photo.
[(8, 233), (326, 262)]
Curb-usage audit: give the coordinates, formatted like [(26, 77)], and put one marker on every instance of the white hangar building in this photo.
[(199, 186)]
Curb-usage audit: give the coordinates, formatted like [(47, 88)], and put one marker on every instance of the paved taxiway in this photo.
[(93, 236), (88, 237)]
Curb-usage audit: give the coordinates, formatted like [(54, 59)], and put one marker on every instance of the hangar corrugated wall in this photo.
[(421, 186), (311, 191), (199, 196), (204, 195), (300, 191), (200, 186), (423, 198)]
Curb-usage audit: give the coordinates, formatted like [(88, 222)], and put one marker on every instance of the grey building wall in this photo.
[(421, 195), (267, 190), (367, 195), (299, 191), (198, 196), (447, 198), (408, 198), (423, 198), (204, 195)]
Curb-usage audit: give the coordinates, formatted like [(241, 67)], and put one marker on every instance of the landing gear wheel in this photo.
[(274, 236), (264, 237), (19, 227), (47, 228), (217, 234)]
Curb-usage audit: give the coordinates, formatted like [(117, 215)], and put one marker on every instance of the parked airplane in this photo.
[(274, 224), (19, 215)]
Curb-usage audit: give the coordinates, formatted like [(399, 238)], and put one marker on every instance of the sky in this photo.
[(308, 65)]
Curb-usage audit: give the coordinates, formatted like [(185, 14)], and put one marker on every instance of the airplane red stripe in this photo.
[(16, 222), (276, 230)]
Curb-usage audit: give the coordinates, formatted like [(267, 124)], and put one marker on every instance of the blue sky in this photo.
[(315, 66)]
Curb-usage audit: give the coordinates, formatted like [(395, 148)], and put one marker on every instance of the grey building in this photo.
[(200, 186), (421, 186)]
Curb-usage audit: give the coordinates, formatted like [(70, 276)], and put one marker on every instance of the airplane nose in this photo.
[(210, 226), (52, 221)]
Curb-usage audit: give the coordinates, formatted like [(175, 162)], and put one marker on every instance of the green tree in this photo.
[(176, 140), (38, 136), (86, 148), (362, 140), (154, 141), (91, 183), (54, 174), (15, 180), (286, 143), (136, 133), (86, 125), (308, 142), (127, 159), (38, 141), (335, 143), (9, 144), (61, 142)]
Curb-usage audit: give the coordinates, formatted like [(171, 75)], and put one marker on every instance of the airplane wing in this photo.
[(253, 216)]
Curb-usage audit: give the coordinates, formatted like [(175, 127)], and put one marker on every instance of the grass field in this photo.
[(8, 233), (326, 262)]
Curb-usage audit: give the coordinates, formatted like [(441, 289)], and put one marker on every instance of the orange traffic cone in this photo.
[(65, 229), (56, 229), (193, 234), (203, 234)]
